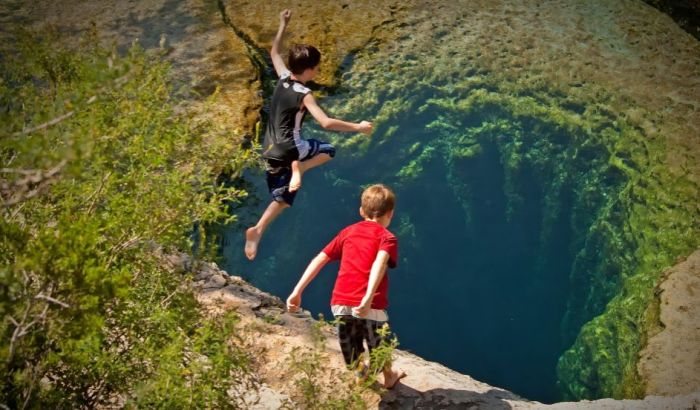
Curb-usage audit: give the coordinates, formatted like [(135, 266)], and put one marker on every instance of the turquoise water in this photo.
[(482, 290), (505, 196)]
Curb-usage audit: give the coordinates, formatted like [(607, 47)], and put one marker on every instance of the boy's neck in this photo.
[(299, 78), (382, 220)]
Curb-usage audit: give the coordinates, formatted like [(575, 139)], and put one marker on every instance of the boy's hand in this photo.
[(363, 309), (285, 15), (293, 303), (365, 127), (360, 311)]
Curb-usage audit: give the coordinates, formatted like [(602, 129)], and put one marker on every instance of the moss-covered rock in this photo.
[(601, 100)]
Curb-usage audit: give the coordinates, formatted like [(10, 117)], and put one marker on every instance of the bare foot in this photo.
[(252, 238), (393, 378), (295, 181)]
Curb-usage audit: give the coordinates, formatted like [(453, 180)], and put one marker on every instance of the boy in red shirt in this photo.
[(359, 300)]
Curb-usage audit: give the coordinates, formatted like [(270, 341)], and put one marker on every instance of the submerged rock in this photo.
[(602, 100), (597, 102), (204, 52)]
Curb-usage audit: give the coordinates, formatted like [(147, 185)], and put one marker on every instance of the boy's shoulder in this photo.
[(368, 226), (285, 81)]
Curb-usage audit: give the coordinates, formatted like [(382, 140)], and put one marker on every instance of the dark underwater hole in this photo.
[(486, 248)]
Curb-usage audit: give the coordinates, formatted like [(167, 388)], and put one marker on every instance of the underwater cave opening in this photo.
[(486, 249)]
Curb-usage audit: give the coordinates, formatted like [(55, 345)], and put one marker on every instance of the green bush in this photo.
[(320, 386), (98, 171)]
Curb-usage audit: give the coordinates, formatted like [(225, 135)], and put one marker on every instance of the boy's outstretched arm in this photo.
[(275, 54), (375, 276), (315, 266), (333, 124)]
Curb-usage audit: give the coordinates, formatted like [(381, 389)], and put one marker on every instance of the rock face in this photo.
[(276, 335), (615, 83), (657, 96), (336, 28), (204, 52), (670, 363)]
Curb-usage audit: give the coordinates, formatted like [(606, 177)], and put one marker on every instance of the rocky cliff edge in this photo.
[(274, 337)]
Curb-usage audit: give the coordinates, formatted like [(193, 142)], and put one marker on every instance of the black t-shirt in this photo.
[(283, 143)]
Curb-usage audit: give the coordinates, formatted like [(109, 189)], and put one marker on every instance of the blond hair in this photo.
[(377, 200)]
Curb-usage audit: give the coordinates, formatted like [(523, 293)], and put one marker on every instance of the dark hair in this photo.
[(303, 56), (377, 200)]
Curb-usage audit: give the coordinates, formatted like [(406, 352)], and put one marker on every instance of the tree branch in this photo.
[(30, 186), (20, 330), (45, 125), (117, 249), (51, 300), (53, 121), (93, 197)]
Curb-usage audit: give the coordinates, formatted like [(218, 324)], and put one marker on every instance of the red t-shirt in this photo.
[(357, 246)]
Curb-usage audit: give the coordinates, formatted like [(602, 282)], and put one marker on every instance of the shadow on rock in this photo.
[(405, 397)]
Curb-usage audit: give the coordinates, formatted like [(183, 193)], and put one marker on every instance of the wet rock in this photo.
[(335, 30), (616, 72), (205, 53), (620, 48)]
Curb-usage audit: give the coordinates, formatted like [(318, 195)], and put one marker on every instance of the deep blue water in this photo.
[(483, 295)]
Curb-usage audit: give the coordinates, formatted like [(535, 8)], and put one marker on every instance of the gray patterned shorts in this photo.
[(353, 331)]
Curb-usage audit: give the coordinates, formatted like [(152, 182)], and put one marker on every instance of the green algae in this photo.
[(632, 216), (632, 213)]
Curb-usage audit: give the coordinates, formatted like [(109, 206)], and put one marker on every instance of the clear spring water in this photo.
[(498, 188), (483, 294)]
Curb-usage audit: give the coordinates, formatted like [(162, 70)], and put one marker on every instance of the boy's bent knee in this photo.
[(330, 151), (317, 147), (327, 156)]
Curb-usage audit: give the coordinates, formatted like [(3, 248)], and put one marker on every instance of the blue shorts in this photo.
[(278, 177), (318, 147)]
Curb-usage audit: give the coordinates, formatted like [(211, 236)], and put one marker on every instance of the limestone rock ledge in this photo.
[(272, 334), (670, 363)]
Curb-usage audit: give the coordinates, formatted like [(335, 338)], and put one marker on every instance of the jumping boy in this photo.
[(359, 299), (288, 155)]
